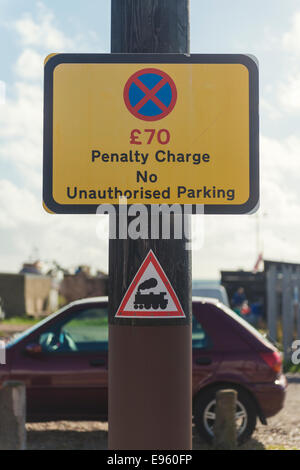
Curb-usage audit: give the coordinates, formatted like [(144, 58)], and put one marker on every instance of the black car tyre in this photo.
[(204, 414)]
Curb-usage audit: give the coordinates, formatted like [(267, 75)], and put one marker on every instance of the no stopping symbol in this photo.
[(150, 94)]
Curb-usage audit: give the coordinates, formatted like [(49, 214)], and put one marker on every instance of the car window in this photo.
[(211, 292), (201, 340), (208, 292), (86, 330)]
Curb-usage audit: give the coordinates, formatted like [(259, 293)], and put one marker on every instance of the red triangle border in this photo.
[(121, 313)]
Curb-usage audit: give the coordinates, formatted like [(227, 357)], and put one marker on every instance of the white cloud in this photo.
[(30, 65), (291, 39), (271, 110), (231, 241), (21, 126), (71, 240), (289, 93), (21, 117), (280, 164), (2, 92), (42, 33), (24, 224), (17, 206), (280, 169)]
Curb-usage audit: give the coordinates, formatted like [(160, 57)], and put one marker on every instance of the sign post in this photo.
[(149, 134), (150, 363)]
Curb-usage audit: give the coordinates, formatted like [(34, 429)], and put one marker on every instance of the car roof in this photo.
[(88, 300), (205, 300)]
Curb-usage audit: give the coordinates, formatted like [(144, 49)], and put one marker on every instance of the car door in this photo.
[(69, 378), (205, 358)]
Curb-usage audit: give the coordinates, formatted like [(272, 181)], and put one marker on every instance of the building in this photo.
[(26, 294), (82, 284), (35, 294), (255, 283)]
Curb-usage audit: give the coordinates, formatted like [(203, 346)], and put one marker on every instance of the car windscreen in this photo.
[(20, 336)]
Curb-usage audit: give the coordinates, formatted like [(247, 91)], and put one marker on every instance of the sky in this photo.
[(30, 30)]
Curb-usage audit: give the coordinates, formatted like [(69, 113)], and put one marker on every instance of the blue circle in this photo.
[(164, 94)]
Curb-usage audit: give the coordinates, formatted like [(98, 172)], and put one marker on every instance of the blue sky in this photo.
[(29, 30)]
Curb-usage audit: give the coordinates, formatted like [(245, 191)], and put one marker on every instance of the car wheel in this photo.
[(205, 415)]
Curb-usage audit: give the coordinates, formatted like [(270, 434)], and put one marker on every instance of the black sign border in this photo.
[(250, 206)]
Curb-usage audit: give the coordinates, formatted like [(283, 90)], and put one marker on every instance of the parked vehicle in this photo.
[(212, 290), (63, 362)]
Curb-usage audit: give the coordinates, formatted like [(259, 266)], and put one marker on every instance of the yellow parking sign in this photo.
[(154, 128)]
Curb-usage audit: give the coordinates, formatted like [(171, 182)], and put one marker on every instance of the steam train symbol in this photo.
[(149, 300)]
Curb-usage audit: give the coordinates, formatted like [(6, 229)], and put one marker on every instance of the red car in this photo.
[(63, 362)]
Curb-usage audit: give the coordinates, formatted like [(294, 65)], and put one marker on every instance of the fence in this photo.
[(283, 308)]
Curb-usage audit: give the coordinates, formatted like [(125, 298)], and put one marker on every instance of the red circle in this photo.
[(135, 76)]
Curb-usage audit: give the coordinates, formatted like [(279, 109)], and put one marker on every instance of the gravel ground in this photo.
[(282, 432)]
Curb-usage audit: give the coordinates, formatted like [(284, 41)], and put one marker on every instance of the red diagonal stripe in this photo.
[(159, 103), (150, 94)]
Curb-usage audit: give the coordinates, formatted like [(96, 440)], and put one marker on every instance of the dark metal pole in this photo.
[(150, 385)]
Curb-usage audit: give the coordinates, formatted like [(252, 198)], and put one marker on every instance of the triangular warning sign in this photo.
[(150, 294)]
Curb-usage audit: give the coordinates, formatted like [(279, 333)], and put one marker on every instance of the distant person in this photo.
[(245, 309), (256, 309), (238, 299)]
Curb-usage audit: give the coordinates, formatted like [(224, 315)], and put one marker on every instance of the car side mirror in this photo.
[(33, 349)]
